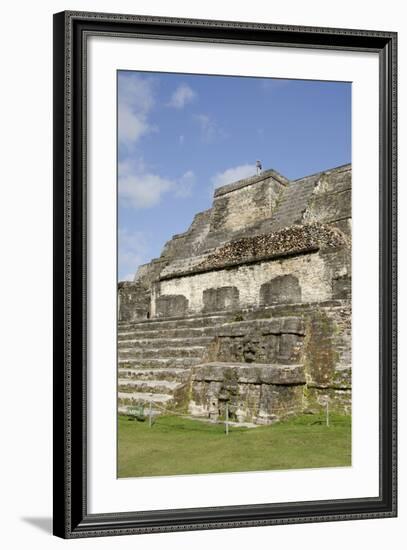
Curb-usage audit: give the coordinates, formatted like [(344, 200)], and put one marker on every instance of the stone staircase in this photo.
[(158, 358), (155, 358), (259, 360)]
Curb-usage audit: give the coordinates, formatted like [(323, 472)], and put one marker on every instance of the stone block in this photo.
[(270, 326), (220, 299), (339, 400), (133, 301), (294, 325), (290, 348), (284, 289), (253, 373), (250, 348), (329, 207), (342, 288), (327, 350), (282, 375), (253, 392), (279, 401), (175, 305)]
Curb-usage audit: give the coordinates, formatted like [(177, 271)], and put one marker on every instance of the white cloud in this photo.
[(233, 174), (129, 166), (141, 188), (185, 184), (136, 99), (133, 250), (183, 94), (131, 126), (210, 131)]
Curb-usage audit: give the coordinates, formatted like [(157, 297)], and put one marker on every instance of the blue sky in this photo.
[(182, 135)]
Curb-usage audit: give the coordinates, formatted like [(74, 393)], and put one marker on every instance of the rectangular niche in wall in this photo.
[(172, 305), (284, 289), (220, 299)]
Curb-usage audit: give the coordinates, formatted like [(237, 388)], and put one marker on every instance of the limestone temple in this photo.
[(250, 307)]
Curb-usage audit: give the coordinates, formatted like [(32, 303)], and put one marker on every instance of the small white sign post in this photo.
[(327, 412), (227, 419)]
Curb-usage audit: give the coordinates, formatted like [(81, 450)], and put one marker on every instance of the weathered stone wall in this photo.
[(222, 298), (147, 273), (331, 200), (267, 369), (327, 358), (260, 341), (282, 289), (240, 205), (236, 207), (291, 241), (173, 305), (311, 274), (253, 393), (189, 243), (133, 301)]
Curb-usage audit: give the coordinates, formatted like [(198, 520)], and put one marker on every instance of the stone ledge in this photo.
[(289, 241), (284, 325), (337, 169), (249, 373), (228, 188)]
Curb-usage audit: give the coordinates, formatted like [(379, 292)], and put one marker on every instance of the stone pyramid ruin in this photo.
[(249, 308)]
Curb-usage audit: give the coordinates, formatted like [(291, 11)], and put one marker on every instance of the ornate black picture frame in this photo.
[(71, 517)]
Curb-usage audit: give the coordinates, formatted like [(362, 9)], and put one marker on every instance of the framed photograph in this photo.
[(224, 274)]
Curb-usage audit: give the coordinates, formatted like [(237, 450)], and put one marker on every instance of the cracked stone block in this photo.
[(174, 305), (291, 346), (284, 289), (220, 299), (341, 288)]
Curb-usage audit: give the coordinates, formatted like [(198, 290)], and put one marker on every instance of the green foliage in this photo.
[(175, 446)]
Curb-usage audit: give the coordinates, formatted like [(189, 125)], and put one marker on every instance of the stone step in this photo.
[(180, 375), (162, 362), (250, 373), (144, 398), (279, 325), (286, 324), (169, 333), (282, 311), (148, 353), (156, 323), (164, 342), (148, 386), (210, 320)]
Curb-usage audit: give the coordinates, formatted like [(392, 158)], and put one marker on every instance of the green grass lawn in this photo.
[(175, 445)]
